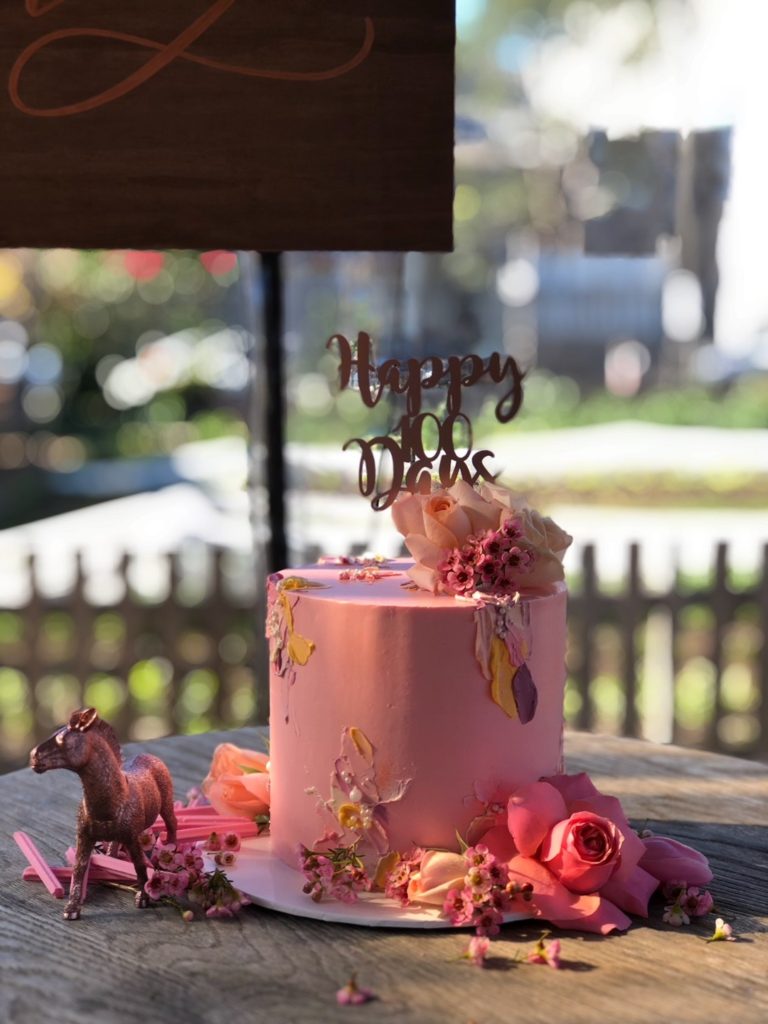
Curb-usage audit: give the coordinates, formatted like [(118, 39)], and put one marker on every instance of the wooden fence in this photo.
[(728, 639), (184, 660), (688, 665)]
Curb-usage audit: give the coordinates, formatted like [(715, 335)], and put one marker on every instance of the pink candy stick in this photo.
[(118, 870), (65, 874), (203, 831), (123, 870), (41, 866), (30, 874)]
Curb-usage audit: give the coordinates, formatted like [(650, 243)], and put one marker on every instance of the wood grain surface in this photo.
[(204, 124), (119, 964)]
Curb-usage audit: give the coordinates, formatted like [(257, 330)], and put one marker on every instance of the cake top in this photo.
[(374, 582)]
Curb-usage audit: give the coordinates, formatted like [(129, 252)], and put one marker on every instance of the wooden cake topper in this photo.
[(412, 466), (118, 803)]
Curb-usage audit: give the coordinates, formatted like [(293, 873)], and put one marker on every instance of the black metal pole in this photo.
[(274, 398)]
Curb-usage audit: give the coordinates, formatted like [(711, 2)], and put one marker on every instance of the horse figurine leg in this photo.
[(140, 864), (167, 813), (82, 858)]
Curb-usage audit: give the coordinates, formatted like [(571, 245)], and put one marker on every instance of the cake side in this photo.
[(397, 715)]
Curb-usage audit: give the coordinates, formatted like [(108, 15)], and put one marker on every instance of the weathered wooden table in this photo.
[(119, 964)]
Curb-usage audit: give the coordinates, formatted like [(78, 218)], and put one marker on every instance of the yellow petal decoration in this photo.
[(386, 864), (299, 647), (363, 745), (503, 673), (300, 583)]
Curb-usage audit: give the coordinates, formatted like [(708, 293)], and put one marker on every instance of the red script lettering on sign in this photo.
[(163, 55)]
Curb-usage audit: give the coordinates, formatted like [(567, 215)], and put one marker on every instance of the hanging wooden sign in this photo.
[(282, 124)]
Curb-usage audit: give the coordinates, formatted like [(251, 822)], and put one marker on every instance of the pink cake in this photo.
[(392, 693)]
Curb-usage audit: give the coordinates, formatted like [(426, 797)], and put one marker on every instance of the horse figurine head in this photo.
[(72, 745), (120, 801)]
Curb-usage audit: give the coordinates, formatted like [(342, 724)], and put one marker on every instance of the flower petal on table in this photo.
[(670, 861)]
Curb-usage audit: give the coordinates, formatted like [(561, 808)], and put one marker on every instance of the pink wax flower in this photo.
[(574, 846), (477, 950), (547, 953), (353, 994), (697, 902), (231, 841)]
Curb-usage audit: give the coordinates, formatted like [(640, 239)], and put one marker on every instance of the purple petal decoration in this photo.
[(525, 693)]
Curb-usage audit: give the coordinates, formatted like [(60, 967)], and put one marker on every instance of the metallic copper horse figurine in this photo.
[(118, 803)]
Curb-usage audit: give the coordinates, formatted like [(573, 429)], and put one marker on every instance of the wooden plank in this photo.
[(268, 968), (210, 124)]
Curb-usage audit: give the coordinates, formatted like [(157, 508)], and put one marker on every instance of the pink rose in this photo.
[(670, 861), (577, 849), (440, 871), (583, 851), (238, 781)]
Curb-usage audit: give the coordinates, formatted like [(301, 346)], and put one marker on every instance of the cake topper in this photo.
[(118, 803), (412, 465)]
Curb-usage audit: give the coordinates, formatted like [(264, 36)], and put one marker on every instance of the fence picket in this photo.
[(762, 665), (630, 612), (721, 606), (588, 620)]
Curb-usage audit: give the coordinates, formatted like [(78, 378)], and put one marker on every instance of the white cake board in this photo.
[(269, 882)]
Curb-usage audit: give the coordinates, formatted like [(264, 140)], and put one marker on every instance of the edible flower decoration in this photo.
[(465, 540), (287, 647), (237, 783), (588, 868), (356, 809)]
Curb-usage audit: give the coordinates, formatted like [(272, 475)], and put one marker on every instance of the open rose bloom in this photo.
[(587, 866), (238, 781), (458, 520)]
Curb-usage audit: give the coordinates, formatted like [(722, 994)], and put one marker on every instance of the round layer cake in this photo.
[(399, 716)]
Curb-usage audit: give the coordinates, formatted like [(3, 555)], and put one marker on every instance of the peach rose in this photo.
[(440, 872), (238, 781), (435, 524)]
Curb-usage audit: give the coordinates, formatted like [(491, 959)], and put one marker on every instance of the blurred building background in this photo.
[(610, 218)]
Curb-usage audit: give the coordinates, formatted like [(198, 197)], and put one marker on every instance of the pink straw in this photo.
[(120, 870), (41, 866)]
